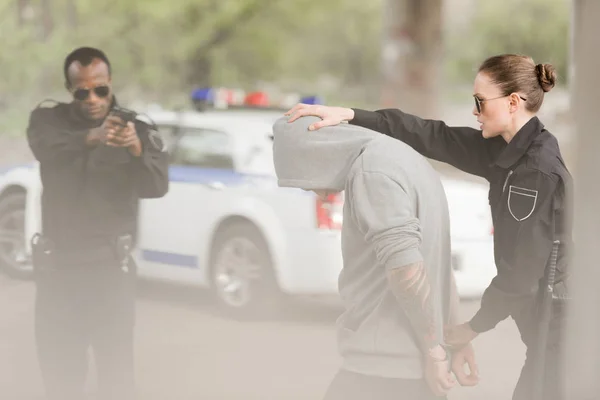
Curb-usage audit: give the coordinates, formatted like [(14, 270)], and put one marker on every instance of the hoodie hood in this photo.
[(316, 160)]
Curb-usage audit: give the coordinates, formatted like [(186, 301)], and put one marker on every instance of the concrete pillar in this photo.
[(582, 358)]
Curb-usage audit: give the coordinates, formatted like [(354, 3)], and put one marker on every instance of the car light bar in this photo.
[(224, 98)]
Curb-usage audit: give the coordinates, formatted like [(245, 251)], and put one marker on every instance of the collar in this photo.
[(520, 143)]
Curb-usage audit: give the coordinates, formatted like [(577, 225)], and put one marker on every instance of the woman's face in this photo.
[(496, 110)]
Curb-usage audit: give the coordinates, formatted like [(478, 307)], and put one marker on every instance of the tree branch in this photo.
[(199, 62), (226, 32)]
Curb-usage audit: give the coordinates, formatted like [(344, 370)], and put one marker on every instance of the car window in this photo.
[(258, 159), (203, 148)]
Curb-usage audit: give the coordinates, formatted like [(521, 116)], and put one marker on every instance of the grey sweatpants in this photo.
[(352, 386)]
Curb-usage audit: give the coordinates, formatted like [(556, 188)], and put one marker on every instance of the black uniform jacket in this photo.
[(91, 194), (530, 197)]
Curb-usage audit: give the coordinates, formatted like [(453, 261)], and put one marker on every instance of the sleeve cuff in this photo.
[(403, 258), (481, 322), (364, 118)]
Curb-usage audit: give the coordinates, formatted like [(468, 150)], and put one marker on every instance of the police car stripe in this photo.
[(226, 177), (188, 174), (192, 175), (162, 257)]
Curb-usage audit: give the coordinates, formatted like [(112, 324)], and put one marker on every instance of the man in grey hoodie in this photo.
[(396, 283)]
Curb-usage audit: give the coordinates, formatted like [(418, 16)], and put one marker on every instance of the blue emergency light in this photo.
[(311, 100), (203, 94), (203, 98)]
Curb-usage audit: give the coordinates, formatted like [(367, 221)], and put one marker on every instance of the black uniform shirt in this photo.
[(530, 197), (90, 194)]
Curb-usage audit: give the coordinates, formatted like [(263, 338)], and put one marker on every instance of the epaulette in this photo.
[(48, 103), (146, 120), (156, 140), (154, 137)]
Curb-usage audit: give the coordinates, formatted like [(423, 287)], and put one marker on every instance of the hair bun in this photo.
[(546, 74)]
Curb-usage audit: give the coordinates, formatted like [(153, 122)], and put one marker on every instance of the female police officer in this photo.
[(530, 190)]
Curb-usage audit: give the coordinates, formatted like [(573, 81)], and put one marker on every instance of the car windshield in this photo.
[(256, 157)]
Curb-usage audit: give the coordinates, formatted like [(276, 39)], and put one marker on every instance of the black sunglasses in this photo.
[(100, 91), (478, 101)]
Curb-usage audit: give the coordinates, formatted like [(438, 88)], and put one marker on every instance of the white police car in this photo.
[(226, 225)]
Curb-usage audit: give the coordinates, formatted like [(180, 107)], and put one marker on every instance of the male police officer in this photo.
[(94, 167)]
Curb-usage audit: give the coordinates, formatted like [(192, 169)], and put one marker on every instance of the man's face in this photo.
[(91, 89)]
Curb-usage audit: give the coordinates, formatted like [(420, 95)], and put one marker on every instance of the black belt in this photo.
[(47, 255)]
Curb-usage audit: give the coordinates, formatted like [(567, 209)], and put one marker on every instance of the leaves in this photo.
[(537, 28), (163, 47), (160, 49)]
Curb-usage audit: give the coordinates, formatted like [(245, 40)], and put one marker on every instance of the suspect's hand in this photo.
[(438, 375)]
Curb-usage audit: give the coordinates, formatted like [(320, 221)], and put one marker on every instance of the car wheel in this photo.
[(14, 258), (242, 277)]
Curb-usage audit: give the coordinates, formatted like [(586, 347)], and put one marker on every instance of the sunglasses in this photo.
[(478, 101), (100, 91)]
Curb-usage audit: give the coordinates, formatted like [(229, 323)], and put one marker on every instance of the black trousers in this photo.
[(352, 386), (553, 374), (81, 308)]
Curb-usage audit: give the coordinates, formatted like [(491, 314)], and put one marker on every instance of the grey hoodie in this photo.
[(395, 214)]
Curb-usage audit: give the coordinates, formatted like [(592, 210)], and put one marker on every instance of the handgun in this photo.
[(125, 114)]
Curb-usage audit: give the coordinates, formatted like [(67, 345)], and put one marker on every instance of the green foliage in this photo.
[(537, 28), (160, 49)]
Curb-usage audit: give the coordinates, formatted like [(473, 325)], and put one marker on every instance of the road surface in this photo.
[(186, 351)]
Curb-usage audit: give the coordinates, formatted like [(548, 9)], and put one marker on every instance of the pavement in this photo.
[(186, 350)]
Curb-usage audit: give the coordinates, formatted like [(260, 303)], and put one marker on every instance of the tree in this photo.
[(199, 61), (412, 55), (537, 28), (23, 10), (159, 51)]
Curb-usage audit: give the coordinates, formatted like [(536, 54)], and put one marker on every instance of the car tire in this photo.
[(242, 278), (14, 259)]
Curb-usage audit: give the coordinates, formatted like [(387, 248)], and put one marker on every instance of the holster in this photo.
[(42, 253), (561, 292), (46, 257), (123, 245)]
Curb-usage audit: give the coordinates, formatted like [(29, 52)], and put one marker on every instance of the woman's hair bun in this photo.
[(546, 74)]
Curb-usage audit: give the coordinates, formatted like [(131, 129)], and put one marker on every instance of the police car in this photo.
[(227, 226)]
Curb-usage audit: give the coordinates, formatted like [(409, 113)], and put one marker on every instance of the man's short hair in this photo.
[(85, 56)]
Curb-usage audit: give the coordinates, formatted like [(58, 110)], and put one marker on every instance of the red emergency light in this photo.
[(259, 99)]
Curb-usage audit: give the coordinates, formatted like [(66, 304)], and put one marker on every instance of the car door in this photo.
[(176, 228)]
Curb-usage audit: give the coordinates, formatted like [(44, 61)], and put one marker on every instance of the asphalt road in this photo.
[(186, 351)]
